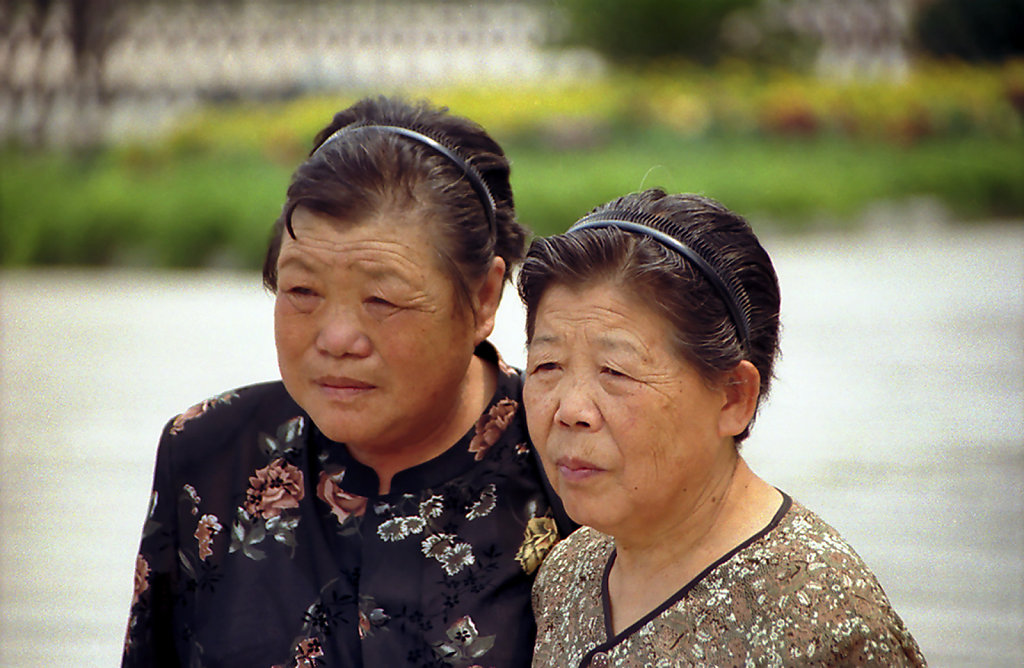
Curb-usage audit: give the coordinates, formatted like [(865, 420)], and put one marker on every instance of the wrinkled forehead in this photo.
[(608, 316), (386, 241)]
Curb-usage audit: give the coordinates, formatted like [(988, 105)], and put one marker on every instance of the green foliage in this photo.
[(642, 31), (975, 30), (778, 147), (787, 185), (127, 207)]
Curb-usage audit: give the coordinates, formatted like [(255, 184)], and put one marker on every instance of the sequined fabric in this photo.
[(795, 594)]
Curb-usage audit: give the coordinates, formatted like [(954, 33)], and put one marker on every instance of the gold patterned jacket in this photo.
[(794, 594)]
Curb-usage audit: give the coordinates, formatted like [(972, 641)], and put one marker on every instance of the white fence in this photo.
[(164, 57)]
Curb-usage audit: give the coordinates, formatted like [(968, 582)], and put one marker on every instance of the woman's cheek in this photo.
[(537, 404)]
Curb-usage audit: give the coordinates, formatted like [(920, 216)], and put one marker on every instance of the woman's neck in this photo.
[(652, 566)]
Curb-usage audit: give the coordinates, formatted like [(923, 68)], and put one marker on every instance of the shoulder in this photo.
[(587, 540), (805, 557), (808, 576), (224, 418), (239, 400), (500, 435), (802, 537), (510, 379), (489, 353), (567, 598), (580, 557)]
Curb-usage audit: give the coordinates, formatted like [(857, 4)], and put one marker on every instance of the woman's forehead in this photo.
[(377, 243), (606, 316), (404, 220)]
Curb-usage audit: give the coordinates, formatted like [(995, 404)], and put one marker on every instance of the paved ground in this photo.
[(897, 416)]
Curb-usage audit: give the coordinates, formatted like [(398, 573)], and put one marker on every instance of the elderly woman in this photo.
[(653, 327), (381, 506)]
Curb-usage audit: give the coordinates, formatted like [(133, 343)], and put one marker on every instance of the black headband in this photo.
[(729, 294), (475, 179)]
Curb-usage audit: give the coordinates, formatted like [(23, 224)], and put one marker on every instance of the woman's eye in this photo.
[(614, 373), (380, 307), (302, 298), (545, 366), (303, 295), (381, 303)]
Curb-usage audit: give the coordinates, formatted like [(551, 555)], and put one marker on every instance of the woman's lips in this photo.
[(342, 386), (576, 470)]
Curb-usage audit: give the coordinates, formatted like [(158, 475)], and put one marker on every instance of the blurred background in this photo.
[(876, 146)]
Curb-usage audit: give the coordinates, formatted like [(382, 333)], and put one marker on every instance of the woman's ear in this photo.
[(741, 388), (486, 299)]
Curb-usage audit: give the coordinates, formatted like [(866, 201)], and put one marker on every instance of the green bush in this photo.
[(183, 211), (642, 31), (779, 147), (975, 30)]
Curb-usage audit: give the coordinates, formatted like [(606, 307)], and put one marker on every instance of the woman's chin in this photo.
[(587, 515), (339, 431)]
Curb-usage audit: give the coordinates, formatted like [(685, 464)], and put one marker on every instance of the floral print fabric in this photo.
[(794, 595), (267, 545)]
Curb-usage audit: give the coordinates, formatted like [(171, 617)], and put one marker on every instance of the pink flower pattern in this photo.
[(141, 578), (307, 652), (277, 486), (206, 529), (195, 411), (343, 504), (491, 426)]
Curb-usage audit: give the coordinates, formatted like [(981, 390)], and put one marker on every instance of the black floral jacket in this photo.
[(266, 544)]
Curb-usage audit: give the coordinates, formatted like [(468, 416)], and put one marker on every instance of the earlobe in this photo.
[(488, 297), (742, 386)]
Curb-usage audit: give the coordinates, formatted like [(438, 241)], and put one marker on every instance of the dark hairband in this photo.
[(728, 293), (475, 179)]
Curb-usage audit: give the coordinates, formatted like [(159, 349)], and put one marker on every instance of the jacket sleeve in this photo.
[(149, 640), (879, 641)]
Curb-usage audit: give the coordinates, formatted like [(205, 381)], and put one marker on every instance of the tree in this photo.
[(641, 31), (976, 30), (42, 30)]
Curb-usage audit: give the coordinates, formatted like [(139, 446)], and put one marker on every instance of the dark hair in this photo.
[(356, 174), (704, 332)]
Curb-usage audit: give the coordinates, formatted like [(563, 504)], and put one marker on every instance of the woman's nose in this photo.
[(341, 335), (576, 409)]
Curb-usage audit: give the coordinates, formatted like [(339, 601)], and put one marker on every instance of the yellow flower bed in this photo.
[(936, 99)]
